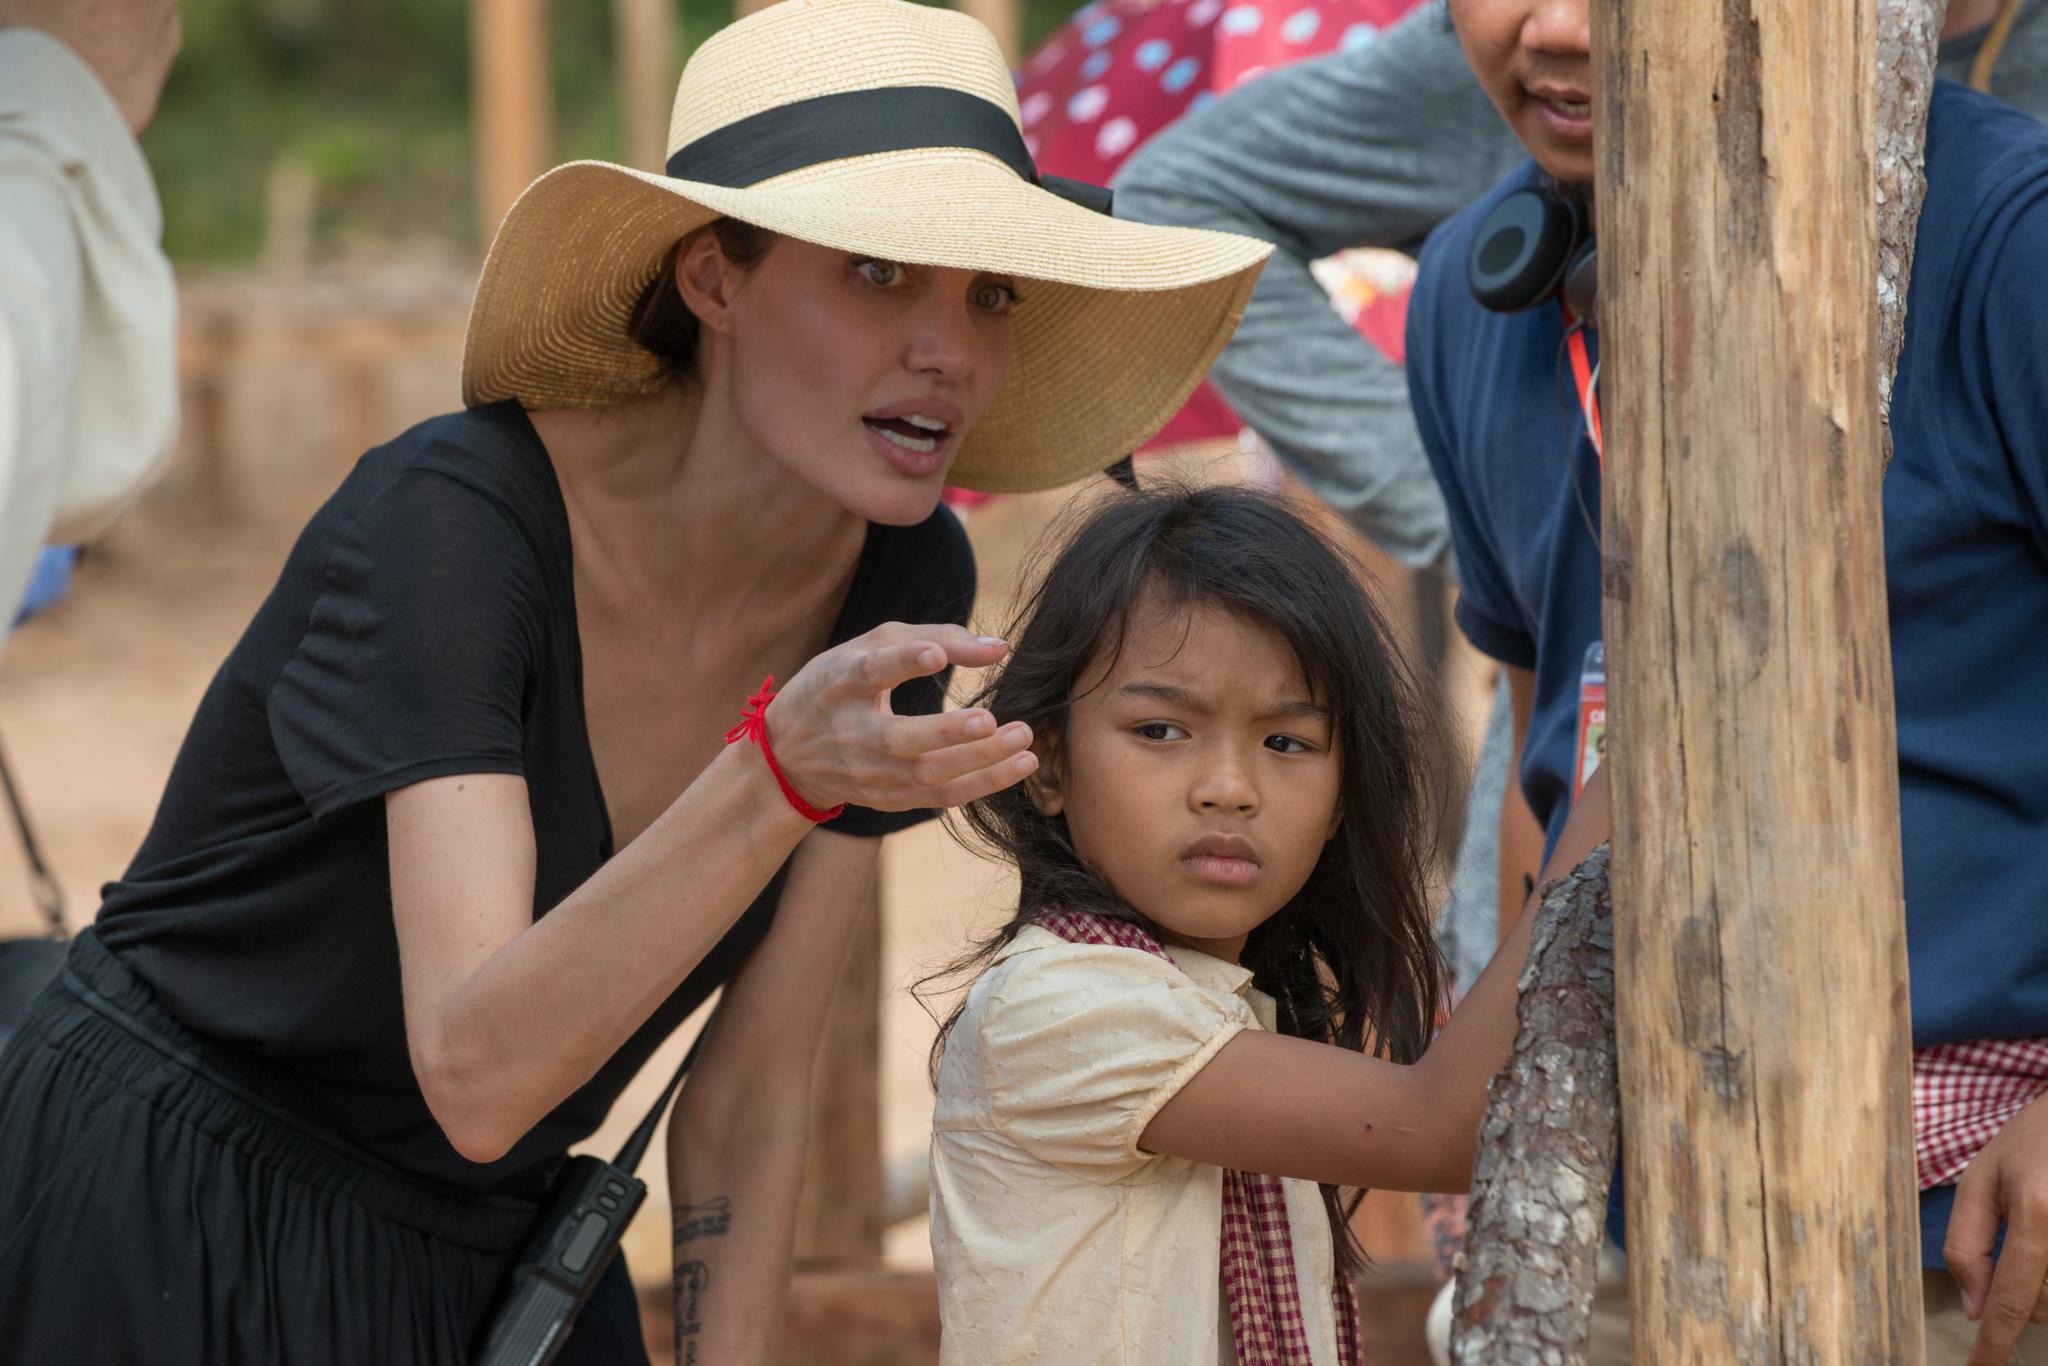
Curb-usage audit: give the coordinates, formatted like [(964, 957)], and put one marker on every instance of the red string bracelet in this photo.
[(754, 726)]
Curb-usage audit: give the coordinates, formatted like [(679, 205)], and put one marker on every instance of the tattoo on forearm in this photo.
[(694, 1223), (691, 1278), (703, 1221)]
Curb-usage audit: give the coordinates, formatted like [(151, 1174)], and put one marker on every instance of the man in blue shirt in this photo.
[(1966, 538)]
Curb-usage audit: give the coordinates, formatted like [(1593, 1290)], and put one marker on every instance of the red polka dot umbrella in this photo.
[(1121, 70)]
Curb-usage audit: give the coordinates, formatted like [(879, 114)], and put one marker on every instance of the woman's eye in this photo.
[(996, 298), (1161, 730), (1288, 744), (882, 273)]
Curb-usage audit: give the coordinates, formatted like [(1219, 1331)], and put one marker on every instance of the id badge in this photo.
[(1592, 715)]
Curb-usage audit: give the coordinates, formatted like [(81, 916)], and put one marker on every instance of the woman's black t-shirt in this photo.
[(424, 624)]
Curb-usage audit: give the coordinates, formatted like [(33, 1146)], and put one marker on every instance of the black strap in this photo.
[(49, 897), (636, 1145)]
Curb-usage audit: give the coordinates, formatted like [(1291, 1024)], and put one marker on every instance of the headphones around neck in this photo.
[(1530, 248)]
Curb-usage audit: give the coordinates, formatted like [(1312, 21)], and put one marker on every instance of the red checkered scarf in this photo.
[(1258, 1254), (1963, 1093)]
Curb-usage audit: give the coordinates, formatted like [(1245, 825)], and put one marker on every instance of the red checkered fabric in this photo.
[(1258, 1253), (1963, 1093)]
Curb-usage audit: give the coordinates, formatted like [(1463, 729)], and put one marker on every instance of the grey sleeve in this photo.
[(2020, 77), (1372, 147)]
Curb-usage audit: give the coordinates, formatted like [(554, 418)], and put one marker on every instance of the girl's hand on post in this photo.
[(838, 741)]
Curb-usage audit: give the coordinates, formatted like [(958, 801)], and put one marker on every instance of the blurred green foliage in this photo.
[(368, 102)]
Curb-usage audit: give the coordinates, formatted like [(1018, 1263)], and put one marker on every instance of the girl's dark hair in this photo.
[(1351, 959), (662, 323)]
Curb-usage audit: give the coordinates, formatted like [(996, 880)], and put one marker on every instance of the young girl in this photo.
[(1220, 983)]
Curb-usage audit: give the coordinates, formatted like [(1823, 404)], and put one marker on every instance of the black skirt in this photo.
[(155, 1207)]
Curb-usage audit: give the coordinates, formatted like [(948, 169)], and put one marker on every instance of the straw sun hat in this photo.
[(885, 128)]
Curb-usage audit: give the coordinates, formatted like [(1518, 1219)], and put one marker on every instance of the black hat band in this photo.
[(854, 123)]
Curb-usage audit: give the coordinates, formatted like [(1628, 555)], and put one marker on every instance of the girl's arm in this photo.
[(507, 1015), (736, 1143), (1290, 1107)]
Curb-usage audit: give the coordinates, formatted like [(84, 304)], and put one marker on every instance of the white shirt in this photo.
[(88, 309), (1055, 1238)]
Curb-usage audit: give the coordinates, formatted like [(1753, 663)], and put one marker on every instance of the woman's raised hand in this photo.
[(838, 741)]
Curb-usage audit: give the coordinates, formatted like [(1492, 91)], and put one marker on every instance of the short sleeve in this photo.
[(1082, 1044), (423, 634), (1485, 609), (923, 575)]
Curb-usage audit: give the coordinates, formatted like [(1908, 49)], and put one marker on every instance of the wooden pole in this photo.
[(644, 45), (512, 105), (839, 1214), (1761, 968), (1004, 19)]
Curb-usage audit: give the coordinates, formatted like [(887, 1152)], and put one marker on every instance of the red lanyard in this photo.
[(1583, 378)]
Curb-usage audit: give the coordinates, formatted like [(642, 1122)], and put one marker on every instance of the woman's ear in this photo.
[(708, 280)]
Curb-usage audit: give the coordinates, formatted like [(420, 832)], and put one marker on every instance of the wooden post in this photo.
[(512, 107), (1761, 968), (839, 1215), (1004, 19), (209, 343), (644, 45)]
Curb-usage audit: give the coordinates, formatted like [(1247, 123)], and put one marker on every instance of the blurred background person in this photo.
[(88, 395)]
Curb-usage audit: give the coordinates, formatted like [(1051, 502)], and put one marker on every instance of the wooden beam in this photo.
[(1004, 19), (1761, 968), (839, 1214), (209, 347), (512, 104), (644, 47)]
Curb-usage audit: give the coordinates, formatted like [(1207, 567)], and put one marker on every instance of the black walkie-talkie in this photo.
[(572, 1243)]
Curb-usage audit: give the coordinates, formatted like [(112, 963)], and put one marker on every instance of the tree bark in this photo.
[(1546, 1146), (1908, 34)]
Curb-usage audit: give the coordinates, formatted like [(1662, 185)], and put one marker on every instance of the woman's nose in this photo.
[(942, 340)]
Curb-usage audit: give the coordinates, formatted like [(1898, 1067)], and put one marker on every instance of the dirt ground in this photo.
[(96, 694)]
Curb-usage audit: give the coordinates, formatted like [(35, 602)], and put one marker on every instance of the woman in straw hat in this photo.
[(457, 839)]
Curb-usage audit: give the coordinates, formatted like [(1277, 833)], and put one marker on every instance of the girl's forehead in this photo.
[(1197, 646)]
